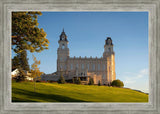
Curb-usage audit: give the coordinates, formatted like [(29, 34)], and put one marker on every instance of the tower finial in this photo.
[(63, 29)]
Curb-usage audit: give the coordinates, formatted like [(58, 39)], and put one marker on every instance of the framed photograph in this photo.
[(80, 56)]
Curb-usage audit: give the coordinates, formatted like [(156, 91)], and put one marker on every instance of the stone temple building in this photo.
[(100, 69)]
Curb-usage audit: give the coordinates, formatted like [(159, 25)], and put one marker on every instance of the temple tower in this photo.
[(109, 56), (62, 52)]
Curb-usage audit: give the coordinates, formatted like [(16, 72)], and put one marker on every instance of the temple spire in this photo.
[(63, 36)]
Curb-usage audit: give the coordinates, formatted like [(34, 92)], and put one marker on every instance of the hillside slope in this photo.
[(53, 92)]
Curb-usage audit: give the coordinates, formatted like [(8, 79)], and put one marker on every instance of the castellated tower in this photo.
[(109, 56), (62, 53)]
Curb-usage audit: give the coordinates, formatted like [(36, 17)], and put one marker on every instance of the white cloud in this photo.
[(132, 78), (137, 80)]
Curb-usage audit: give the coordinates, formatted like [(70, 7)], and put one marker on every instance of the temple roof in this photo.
[(63, 36), (109, 41)]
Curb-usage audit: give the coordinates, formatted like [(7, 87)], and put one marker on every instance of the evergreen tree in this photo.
[(73, 80), (99, 83), (61, 79), (21, 61), (91, 81), (25, 32), (15, 62), (79, 81), (21, 75)]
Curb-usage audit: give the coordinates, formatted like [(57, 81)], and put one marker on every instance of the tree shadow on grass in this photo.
[(30, 96)]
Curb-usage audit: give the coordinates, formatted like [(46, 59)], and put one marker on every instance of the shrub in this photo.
[(117, 83), (91, 81), (99, 83), (61, 80), (75, 81), (79, 81), (21, 75)]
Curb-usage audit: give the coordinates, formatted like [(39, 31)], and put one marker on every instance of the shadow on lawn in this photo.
[(30, 96)]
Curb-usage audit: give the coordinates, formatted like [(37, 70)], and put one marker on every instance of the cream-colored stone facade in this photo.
[(100, 69)]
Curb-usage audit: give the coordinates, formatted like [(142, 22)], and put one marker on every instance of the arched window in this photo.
[(71, 66), (98, 66), (77, 65), (82, 66), (93, 67), (63, 46), (109, 49), (104, 67), (88, 66)]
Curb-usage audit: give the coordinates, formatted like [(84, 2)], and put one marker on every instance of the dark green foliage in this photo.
[(79, 81), (91, 81), (76, 81), (99, 83), (61, 80), (21, 61), (26, 35), (73, 80), (15, 62), (117, 83), (21, 75)]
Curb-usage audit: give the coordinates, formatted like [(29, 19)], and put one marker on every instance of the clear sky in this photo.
[(87, 32)]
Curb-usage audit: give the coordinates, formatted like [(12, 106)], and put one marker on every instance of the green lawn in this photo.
[(53, 92)]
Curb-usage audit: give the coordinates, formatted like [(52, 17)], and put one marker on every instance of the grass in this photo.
[(53, 92)]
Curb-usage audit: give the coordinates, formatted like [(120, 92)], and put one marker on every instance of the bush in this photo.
[(75, 81), (117, 83), (21, 75), (79, 81), (99, 83), (91, 81), (61, 80)]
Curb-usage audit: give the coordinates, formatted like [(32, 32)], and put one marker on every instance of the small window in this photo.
[(109, 49), (63, 46), (98, 66), (71, 66), (104, 67), (93, 67), (88, 66), (82, 66), (77, 65)]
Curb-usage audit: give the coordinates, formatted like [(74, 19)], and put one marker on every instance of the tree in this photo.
[(79, 81), (91, 81), (99, 83), (25, 32), (15, 62), (117, 83), (61, 79), (21, 61), (21, 75), (73, 80), (35, 72)]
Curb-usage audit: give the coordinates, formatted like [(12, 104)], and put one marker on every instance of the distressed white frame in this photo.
[(152, 6)]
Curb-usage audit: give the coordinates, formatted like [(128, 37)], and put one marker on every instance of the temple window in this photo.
[(71, 66), (98, 66), (93, 66), (82, 66)]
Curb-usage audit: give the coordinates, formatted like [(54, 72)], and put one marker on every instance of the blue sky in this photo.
[(87, 32)]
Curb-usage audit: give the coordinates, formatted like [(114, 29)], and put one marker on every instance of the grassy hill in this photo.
[(53, 92)]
